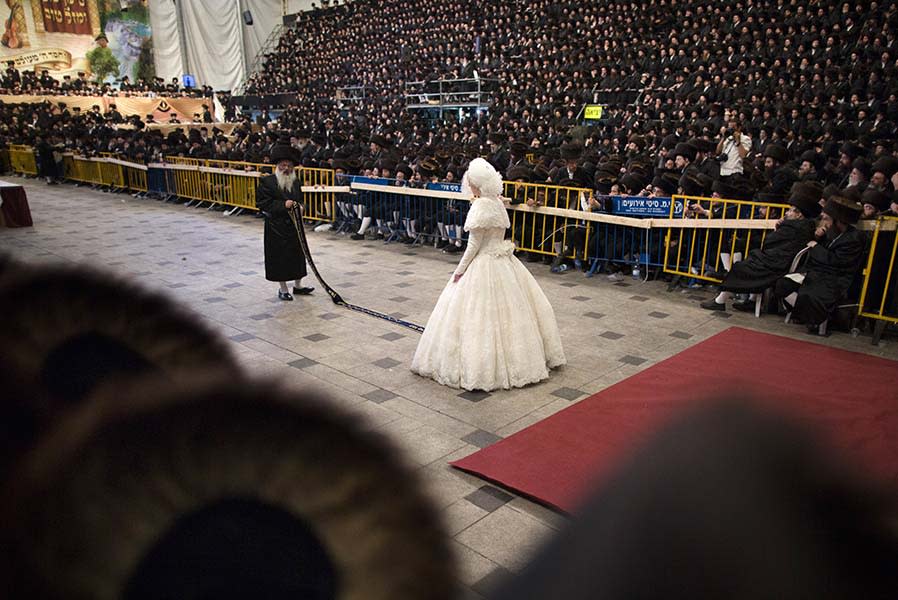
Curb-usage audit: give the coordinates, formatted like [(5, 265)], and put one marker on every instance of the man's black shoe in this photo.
[(357, 236), (745, 306), (712, 305), (303, 291), (285, 296)]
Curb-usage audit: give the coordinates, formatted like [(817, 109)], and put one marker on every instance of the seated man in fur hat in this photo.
[(277, 195), (764, 266), (777, 173), (832, 264)]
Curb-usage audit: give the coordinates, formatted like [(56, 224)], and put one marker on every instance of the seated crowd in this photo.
[(24, 82), (740, 100)]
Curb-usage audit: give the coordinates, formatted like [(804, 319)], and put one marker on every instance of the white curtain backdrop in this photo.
[(214, 44), (266, 15), (166, 39), (295, 6), (218, 47)]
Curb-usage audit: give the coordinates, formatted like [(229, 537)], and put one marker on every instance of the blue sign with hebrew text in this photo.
[(643, 206), (371, 180), (445, 187)]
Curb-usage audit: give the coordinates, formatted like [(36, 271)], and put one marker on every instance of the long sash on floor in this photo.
[(301, 232)]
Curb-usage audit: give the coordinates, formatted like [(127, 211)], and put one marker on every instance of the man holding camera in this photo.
[(732, 148)]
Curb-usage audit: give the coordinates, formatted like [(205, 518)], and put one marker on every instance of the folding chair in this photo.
[(799, 259)]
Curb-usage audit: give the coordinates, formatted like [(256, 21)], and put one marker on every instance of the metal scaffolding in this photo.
[(449, 94)]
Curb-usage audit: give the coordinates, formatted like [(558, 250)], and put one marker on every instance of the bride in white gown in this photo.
[(492, 326)]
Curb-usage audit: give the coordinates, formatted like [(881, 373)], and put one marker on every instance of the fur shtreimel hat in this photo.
[(843, 209), (219, 490), (97, 328)]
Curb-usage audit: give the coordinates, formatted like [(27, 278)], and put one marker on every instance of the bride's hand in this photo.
[(456, 277)]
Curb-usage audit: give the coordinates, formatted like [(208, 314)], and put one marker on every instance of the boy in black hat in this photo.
[(764, 266), (832, 264), (277, 195)]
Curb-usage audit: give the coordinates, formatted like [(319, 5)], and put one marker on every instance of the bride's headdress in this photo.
[(484, 177)]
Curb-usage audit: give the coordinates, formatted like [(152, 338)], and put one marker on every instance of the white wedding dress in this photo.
[(494, 328)]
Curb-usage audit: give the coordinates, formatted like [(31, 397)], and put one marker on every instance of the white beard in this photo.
[(285, 182)]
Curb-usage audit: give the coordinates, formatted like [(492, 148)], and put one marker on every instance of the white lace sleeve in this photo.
[(470, 252)]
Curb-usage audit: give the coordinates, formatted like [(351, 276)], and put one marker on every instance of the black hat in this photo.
[(496, 138), (829, 191), (570, 183), (667, 182), (639, 141), (695, 183), (703, 145), (862, 165), (670, 142), (518, 172), (734, 187), (633, 182), (777, 153), (539, 174), (571, 151), (851, 150), (284, 151), (843, 209), (876, 198), (887, 165), (381, 141), (519, 148), (805, 196), (386, 163), (685, 150), (404, 169), (813, 157), (428, 167)]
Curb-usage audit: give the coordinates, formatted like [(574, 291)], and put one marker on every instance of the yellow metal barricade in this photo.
[(82, 170), (233, 187), (185, 160), (136, 179), (68, 167), (111, 174), (90, 170), (319, 206), (546, 232), (699, 242), (879, 294), (22, 159)]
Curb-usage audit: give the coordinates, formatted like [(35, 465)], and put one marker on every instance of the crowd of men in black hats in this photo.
[(24, 82), (810, 89), (54, 128), (742, 100)]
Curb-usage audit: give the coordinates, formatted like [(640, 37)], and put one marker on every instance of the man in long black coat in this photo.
[(764, 266), (276, 196), (832, 265)]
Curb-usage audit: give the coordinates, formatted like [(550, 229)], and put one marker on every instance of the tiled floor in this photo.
[(213, 264)]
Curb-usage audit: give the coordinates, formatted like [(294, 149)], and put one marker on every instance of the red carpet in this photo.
[(851, 397)]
